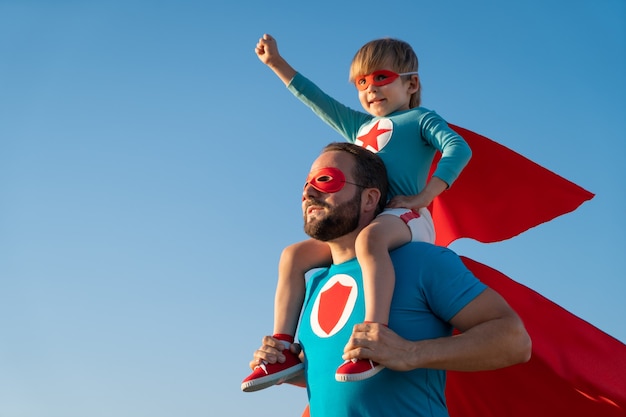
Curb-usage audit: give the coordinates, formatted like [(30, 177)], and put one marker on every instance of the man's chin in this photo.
[(326, 225), (312, 228), (315, 216)]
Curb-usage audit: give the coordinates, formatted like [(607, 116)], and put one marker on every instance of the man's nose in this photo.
[(309, 191)]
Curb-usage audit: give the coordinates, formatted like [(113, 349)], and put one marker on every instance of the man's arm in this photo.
[(493, 336)]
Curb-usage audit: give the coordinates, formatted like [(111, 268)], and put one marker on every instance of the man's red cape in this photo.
[(576, 370)]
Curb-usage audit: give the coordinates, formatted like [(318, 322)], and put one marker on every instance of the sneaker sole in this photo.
[(358, 377), (269, 380)]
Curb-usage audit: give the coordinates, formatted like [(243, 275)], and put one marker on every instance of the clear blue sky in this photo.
[(151, 170)]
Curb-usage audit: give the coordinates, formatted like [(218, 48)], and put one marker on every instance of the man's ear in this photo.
[(370, 199)]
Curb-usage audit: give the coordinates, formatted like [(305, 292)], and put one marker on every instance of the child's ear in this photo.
[(414, 83)]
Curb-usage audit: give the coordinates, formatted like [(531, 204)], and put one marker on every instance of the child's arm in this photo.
[(337, 115), (267, 51), (434, 187), (456, 153)]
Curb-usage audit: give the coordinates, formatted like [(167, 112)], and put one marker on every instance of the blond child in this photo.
[(407, 137)]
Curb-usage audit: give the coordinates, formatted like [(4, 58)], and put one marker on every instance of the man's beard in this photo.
[(339, 221)]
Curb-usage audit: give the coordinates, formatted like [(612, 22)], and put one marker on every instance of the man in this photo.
[(434, 293)]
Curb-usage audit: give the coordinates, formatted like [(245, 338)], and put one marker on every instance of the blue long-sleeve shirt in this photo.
[(407, 141)]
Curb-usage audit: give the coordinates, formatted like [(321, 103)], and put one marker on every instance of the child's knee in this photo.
[(305, 255), (289, 252), (370, 237)]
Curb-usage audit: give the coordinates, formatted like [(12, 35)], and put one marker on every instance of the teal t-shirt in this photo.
[(432, 285)]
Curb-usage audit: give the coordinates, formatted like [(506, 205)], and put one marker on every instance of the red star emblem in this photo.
[(371, 137)]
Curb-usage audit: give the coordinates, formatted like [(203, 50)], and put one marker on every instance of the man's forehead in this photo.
[(334, 159)]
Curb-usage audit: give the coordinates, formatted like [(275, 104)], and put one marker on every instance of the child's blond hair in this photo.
[(386, 53)]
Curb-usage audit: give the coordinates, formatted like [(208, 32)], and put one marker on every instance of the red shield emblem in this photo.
[(333, 305), (332, 302)]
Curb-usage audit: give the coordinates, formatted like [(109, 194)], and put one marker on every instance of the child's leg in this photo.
[(295, 261), (373, 244)]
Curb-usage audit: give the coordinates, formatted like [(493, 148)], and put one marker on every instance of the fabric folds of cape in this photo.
[(576, 370), (500, 194)]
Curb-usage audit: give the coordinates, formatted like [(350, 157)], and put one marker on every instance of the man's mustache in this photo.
[(313, 202)]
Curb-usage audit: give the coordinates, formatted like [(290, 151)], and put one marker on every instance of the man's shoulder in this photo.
[(343, 268), (421, 249), (423, 255)]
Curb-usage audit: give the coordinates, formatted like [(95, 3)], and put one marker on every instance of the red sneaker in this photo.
[(267, 374), (357, 370)]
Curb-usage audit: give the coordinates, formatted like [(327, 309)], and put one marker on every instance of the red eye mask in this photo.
[(327, 180), (378, 78)]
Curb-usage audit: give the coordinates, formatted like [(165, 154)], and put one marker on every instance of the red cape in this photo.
[(500, 194), (576, 370)]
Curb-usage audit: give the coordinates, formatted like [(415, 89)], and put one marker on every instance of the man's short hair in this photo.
[(369, 169)]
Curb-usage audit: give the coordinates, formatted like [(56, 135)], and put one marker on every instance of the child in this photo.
[(406, 137)]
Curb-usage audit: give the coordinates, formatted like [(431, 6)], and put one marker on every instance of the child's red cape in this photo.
[(576, 370), (500, 194)]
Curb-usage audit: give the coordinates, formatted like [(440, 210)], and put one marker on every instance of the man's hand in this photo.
[(271, 352), (377, 342)]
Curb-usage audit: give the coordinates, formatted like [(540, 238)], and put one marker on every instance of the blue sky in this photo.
[(151, 170)]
